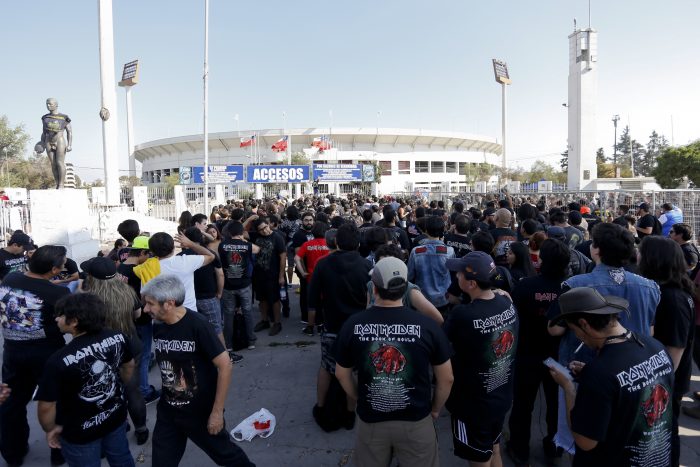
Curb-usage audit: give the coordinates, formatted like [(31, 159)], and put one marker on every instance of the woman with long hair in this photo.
[(534, 245), (122, 307), (184, 222), (661, 260), (519, 261), (213, 244)]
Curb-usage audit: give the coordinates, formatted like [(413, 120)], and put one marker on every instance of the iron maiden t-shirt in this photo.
[(393, 349), (83, 379), (184, 352), (624, 402), (484, 336)]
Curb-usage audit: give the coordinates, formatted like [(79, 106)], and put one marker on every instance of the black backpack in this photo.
[(656, 230)]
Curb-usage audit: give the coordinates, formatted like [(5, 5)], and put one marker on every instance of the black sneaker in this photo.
[(153, 396), (308, 330), (141, 436), (57, 457), (261, 325), (235, 357), (348, 421), (275, 329)]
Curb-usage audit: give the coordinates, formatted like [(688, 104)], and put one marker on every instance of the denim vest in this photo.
[(426, 268)]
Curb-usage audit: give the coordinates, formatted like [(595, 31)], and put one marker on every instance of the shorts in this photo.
[(327, 358), (267, 289), (210, 308), (474, 440)]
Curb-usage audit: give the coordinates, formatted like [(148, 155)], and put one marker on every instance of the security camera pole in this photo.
[(500, 70)]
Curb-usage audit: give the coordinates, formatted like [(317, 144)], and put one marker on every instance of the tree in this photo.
[(14, 139), (629, 150), (655, 147), (129, 181), (677, 162), (564, 161), (479, 172), (605, 169), (299, 158), (170, 181)]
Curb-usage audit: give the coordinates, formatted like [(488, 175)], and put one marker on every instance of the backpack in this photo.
[(657, 229)]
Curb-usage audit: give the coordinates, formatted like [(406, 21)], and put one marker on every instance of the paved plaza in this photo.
[(280, 375)]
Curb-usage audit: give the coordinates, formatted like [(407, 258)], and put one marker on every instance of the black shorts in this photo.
[(267, 289), (474, 439)]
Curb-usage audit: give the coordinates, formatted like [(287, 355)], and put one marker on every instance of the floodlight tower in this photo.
[(583, 95), (500, 71), (130, 77), (108, 112)]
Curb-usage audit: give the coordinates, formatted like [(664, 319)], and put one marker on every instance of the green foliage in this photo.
[(14, 139), (629, 150), (171, 180), (605, 169), (299, 158), (129, 181), (677, 162), (655, 147), (33, 173)]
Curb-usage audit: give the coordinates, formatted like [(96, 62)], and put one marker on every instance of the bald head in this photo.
[(503, 218)]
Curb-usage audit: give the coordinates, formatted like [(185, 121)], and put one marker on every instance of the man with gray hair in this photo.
[(196, 371)]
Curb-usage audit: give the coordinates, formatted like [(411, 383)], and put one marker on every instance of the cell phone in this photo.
[(555, 365)]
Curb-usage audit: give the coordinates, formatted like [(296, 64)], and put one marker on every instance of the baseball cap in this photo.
[(590, 301), (557, 233), (644, 206), (21, 239), (139, 243), (477, 265), (100, 268), (387, 270)]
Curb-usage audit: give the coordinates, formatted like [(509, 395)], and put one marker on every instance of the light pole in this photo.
[(500, 70), (615, 119), (130, 77), (206, 106)]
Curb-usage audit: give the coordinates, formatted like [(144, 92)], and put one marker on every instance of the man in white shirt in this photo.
[(162, 245)]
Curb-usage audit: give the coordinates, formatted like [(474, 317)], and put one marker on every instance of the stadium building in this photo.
[(407, 159)]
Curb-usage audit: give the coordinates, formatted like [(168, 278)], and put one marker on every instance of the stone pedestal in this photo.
[(62, 217)]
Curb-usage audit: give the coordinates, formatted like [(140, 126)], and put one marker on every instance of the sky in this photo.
[(421, 64)]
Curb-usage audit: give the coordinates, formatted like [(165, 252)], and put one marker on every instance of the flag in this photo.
[(321, 143), (280, 145), (245, 142)]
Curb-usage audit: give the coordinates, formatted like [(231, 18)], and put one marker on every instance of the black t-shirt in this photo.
[(399, 237), (26, 310), (690, 253), (184, 352), (237, 262), (623, 401), (484, 336), (503, 238), (289, 228), (645, 221), (205, 277), (83, 379), (300, 237), (460, 243), (393, 349), (532, 298), (674, 327), (70, 268), (127, 272), (585, 248), (10, 262), (267, 261)]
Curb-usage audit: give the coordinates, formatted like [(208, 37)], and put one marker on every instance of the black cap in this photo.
[(21, 239), (644, 206), (589, 301), (100, 268), (489, 212), (476, 265)]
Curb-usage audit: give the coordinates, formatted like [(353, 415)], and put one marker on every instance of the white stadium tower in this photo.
[(408, 159)]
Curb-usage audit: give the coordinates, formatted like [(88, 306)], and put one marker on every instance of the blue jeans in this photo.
[(210, 308), (145, 332), (114, 445), (244, 297)]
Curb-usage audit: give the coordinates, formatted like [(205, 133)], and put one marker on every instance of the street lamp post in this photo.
[(500, 70), (615, 119), (130, 77)]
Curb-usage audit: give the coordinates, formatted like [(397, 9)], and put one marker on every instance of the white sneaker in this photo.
[(251, 346)]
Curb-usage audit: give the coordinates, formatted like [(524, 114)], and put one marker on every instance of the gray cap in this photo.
[(590, 301), (387, 270)]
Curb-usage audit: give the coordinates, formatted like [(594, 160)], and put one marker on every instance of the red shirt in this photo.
[(311, 252)]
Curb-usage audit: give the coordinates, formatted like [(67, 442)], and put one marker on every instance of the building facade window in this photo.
[(451, 167), (422, 167), (386, 167), (404, 167), (437, 167)]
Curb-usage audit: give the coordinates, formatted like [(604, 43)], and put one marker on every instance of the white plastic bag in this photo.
[(261, 423)]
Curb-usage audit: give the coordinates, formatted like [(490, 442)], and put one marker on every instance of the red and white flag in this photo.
[(322, 143), (246, 142), (280, 145)]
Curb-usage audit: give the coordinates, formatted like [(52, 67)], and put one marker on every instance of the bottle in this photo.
[(283, 292)]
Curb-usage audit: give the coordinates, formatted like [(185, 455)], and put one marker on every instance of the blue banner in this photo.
[(218, 174), (278, 173), (338, 172)]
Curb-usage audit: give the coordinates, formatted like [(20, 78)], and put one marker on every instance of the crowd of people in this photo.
[(419, 306)]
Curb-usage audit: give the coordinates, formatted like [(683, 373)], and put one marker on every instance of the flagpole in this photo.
[(206, 107)]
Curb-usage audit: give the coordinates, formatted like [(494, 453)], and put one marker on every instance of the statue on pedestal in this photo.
[(52, 140)]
